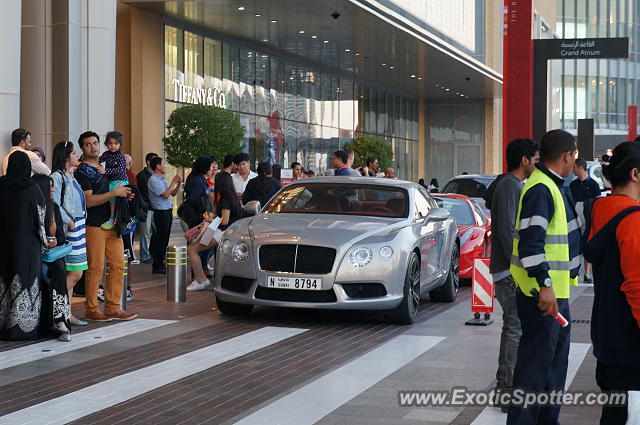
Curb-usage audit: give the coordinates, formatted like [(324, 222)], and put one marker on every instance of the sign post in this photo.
[(579, 48), (517, 87), (632, 122)]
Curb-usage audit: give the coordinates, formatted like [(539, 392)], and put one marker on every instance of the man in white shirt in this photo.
[(21, 141), (243, 174)]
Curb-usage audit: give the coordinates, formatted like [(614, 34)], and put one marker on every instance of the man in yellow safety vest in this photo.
[(546, 259)]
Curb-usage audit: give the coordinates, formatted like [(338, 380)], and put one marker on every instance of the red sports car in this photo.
[(474, 228)]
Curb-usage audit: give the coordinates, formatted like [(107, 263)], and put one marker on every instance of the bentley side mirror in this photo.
[(252, 208), (437, 214)]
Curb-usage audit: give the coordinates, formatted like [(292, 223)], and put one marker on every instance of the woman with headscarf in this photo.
[(23, 239), (54, 317), (263, 187)]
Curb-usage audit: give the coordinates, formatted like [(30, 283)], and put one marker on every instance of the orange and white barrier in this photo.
[(482, 286), (482, 293)]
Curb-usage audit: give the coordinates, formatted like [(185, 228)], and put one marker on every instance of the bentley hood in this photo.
[(315, 229)]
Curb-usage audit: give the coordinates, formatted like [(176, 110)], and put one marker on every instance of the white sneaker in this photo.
[(198, 286)]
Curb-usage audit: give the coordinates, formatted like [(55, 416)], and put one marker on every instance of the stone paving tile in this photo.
[(226, 392), (441, 415)]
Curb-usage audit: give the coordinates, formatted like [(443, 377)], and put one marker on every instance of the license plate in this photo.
[(282, 282)]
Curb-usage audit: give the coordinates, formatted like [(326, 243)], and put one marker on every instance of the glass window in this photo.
[(315, 104), (345, 199), (193, 60), (400, 129), (335, 95), (247, 77), (173, 61), (290, 112), (458, 208), (482, 218), (381, 113), (212, 58), (231, 74), (422, 205)]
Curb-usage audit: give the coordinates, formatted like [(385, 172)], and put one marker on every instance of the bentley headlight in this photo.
[(240, 251), (360, 257), (226, 245), (385, 252)]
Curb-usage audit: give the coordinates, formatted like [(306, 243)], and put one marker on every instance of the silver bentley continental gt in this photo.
[(356, 243)]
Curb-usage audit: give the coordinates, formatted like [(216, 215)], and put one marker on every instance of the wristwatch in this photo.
[(546, 283)]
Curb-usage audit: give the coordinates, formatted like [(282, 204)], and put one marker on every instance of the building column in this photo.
[(9, 71), (422, 139), (140, 82), (97, 61), (68, 69)]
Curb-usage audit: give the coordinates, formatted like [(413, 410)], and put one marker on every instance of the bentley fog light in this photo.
[(240, 251), (360, 257), (385, 252)]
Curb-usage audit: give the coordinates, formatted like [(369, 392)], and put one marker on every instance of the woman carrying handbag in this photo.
[(54, 317), (69, 197)]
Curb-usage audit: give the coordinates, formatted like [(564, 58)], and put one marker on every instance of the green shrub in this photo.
[(199, 130), (367, 147)]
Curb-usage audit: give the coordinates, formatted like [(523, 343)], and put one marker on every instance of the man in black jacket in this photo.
[(147, 226), (502, 199)]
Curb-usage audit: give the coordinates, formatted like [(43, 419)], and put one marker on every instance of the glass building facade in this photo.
[(455, 134), (600, 88), (290, 112)]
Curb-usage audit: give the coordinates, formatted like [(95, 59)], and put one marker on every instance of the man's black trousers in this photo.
[(160, 238), (617, 379), (543, 356)]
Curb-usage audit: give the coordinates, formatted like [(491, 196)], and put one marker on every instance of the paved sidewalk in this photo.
[(186, 363)]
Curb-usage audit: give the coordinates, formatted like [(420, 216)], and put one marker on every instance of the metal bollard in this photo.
[(125, 279), (177, 271)]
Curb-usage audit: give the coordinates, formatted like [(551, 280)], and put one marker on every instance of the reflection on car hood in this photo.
[(316, 229)]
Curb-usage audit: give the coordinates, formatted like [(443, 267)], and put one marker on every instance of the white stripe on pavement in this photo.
[(86, 401), (317, 399), (494, 416), (53, 347), (577, 353)]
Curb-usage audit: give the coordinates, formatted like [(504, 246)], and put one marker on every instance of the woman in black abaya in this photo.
[(22, 238), (54, 316)]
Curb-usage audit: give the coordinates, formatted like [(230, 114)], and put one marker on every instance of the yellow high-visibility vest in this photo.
[(556, 247)]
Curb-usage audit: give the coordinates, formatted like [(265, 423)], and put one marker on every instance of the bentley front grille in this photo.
[(305, 259)]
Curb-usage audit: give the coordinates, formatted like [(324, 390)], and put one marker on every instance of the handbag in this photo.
[(192, 234), (52, 254)]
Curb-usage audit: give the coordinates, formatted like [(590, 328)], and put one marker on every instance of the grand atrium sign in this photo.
[(197, 96), (580, 48)]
